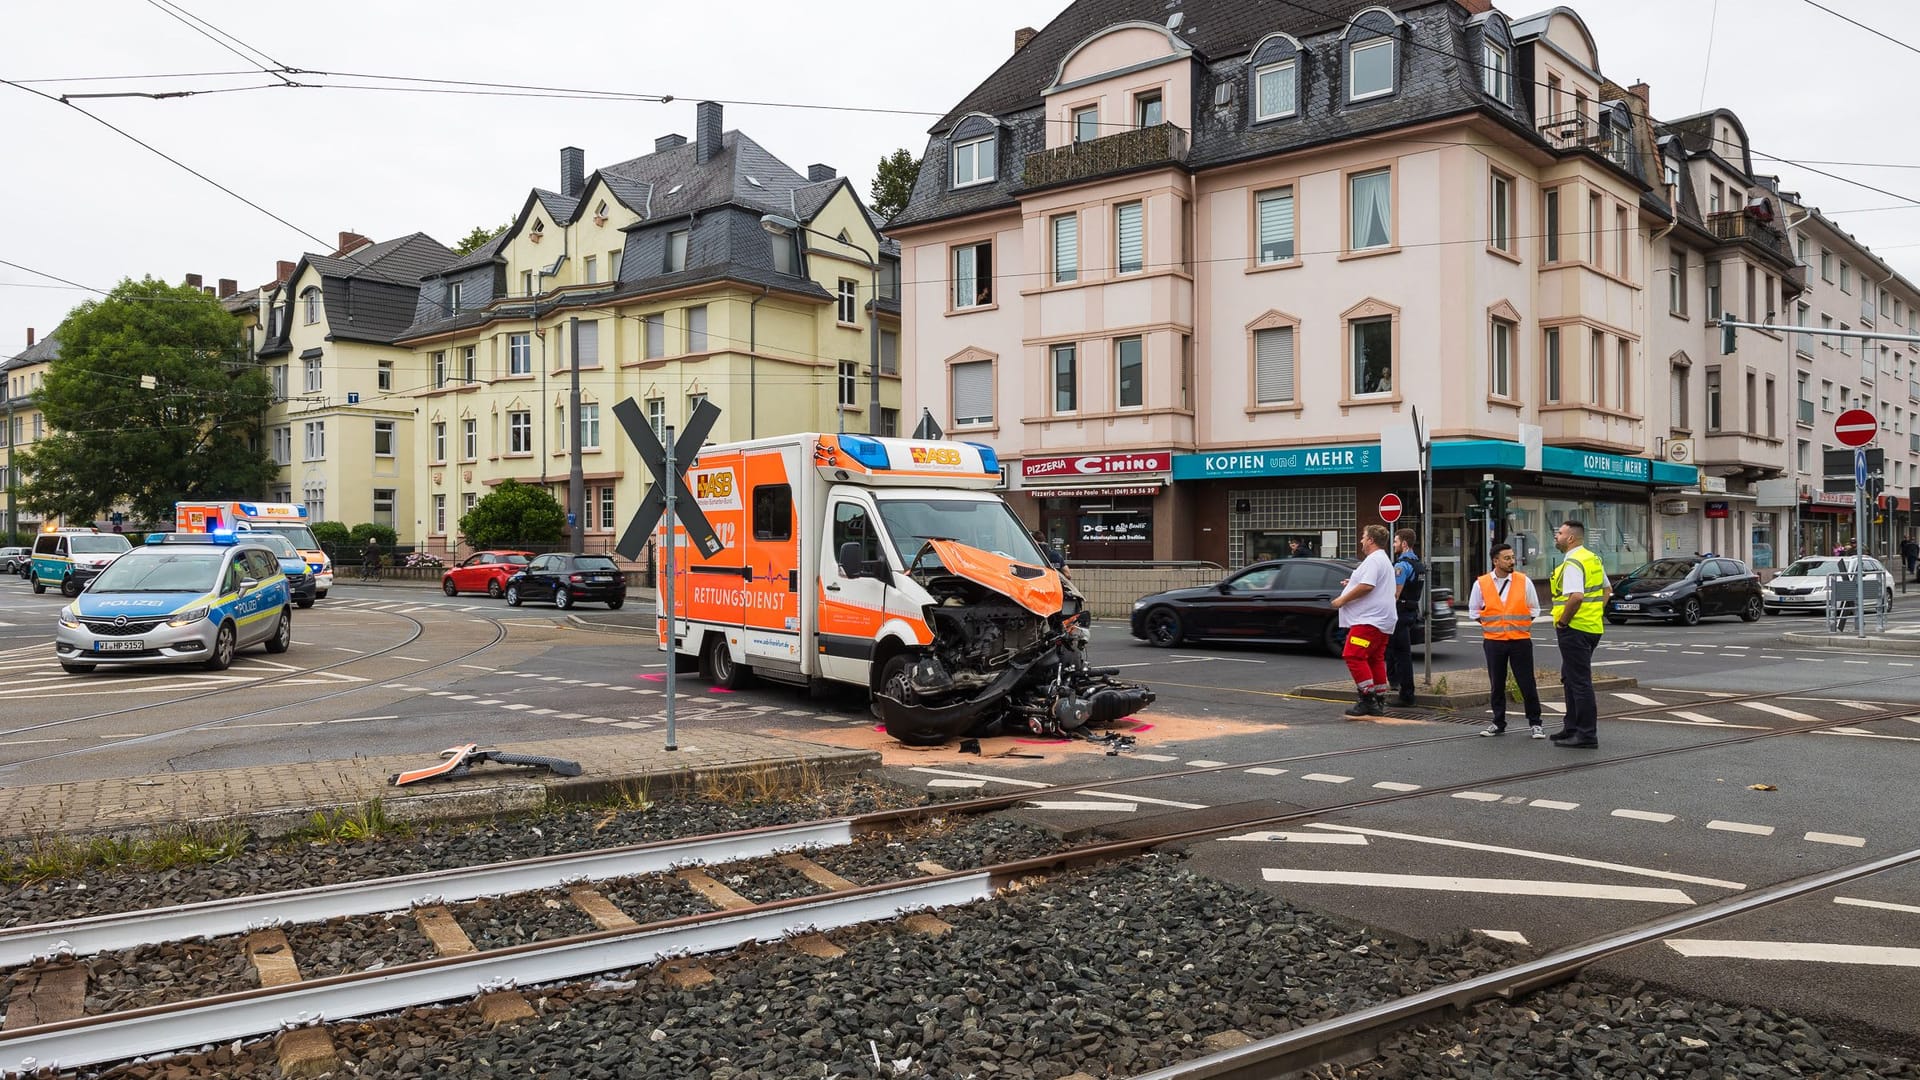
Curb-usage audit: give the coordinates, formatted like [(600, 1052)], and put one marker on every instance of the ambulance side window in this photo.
[(852, 525), (773, 512)]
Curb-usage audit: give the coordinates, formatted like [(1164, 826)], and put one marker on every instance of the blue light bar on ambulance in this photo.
[(866, 451), (989, 461)]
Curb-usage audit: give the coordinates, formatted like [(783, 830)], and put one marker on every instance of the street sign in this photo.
[(1855, 427), (1389, 508), (1860, 469), (686, 509)]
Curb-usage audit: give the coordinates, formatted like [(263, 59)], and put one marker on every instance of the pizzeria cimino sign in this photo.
[(1081, 466)]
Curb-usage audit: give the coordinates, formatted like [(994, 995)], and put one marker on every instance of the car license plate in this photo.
[(126, 645), (599, 577), (1628, 607)]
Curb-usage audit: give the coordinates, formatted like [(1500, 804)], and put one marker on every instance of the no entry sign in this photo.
[(1855, 427), (1389, 508)]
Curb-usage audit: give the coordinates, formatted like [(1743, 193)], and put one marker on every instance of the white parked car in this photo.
[(1803, 586)]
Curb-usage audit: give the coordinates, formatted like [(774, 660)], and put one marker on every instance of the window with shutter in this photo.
[(973, 392), (1130, 241), (589, 345), (1276, 226), (1273, 366), (1066, 248)]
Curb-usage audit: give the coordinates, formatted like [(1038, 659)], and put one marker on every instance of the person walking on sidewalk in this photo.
[(1579, 597), (1506, 603), (1367, 617), (1409, 583)]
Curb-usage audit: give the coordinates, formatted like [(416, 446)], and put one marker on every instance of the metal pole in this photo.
[(576, 474), (873, 353), (1426, 543), (666, 589), (1860, 527)]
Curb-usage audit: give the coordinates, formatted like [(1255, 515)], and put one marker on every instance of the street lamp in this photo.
[(785, 226)]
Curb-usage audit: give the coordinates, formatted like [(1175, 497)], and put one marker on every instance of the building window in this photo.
[(1846, 279), (656, 335), (1085, 124), (1129, 372), (316, 444), (613, 265), (587, 347), (439, 515), (453, 298), (973, 161), (519, 354), (1677, 281), (1773, 425), (439, 369), (470, 439), (1714, 310), (1826, 323), (1713, 399), (1826, 266), (973, 275), (384, 377), (590, 270), (439, 440), (1681, 398), (1276, 91), (1623, 375), (657, 417), (383, 438), (1148, 110), (1717, 200), (1372, 356), (694, 402), (560, 427), (1846, 343), (890, 423), (1369, 69), (849, 301), (469, 373), (1753, 299), (1066, 248), (972, 393), (1273, 381), (1275, 213), (283, 446), (889, 352), (277, 375), (315, 497), (1550, 224), (1500, 359), (526, 283), (1500, 211), (589, 426), (1129, 238), (520, 431), (1596, 369), (1826, 395), (383, 500), (606, 508), (1066, 379), (849, 383), (1753, 404), (785, 254), (697, 329), (1370, 210), (467, 502), (1496, 72), (1593, 231), (1622, 244), (313, 376), (1550, 356), (311, 296)]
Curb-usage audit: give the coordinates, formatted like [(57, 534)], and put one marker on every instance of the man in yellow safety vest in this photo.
[(1579, 598)]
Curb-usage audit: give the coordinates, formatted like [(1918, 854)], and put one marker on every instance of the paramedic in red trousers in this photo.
[(1367, 616), (1506, 603)]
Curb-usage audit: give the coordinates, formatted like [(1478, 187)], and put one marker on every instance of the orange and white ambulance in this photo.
[(889, 564), (286, 519)]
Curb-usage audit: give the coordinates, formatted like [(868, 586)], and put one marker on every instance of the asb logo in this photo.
[(714, 486), (937, 455), (714, 489)]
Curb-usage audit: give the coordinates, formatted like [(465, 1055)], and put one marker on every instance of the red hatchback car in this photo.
[(484, 571)]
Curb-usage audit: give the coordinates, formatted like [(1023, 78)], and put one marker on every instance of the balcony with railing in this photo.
[(1578, 131), (1758, 455), (1913, 442), (1161, 144), (1738, 226)]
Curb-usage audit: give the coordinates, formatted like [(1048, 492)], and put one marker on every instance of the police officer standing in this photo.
[(1409, 583), (1579, 598)]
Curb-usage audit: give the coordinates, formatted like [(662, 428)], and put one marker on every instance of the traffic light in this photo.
[(1727, 333), (1493, 498)]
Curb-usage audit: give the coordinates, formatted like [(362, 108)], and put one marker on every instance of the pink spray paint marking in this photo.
[(652, 678)]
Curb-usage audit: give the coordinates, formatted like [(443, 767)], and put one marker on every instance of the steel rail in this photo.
[(1318, 1043)]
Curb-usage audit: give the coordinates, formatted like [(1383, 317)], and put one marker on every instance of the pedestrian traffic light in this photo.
[(1502, 492), (1487, 491), (1727, 332)]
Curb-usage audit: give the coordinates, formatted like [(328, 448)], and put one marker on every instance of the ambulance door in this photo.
[(852, 609), (712, 591), (770, 571)]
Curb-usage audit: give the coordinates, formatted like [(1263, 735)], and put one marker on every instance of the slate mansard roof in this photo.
[(369, 293)]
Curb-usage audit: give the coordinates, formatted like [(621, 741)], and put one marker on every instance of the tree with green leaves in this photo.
[(152, 400), (893, 183), (514, 513), (479, 236)]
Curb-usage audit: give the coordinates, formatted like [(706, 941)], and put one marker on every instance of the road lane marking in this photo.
[(1817, 952), (1643, 815), (1693, 723), (1858, 734), (1698, 718), (1544, 856), (1389, 785), (1262, 770), (1637, 699), (1617, 663), (1155, 757), (1513, 936), (941, 782), (1222, 659), (1837, 838), (1478, 796), (1326, 778), (1502, 886), (1883, 905), (1299, 838), (1205, 764), (930, 770), (1761, 706), (1144, 799), (1741, 827), (1552, 804), (1045, 804)]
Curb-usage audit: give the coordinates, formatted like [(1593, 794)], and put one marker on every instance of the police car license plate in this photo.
[(1628, 607), (126, 645)]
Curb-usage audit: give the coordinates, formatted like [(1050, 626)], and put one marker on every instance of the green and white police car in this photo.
[(178, 599)]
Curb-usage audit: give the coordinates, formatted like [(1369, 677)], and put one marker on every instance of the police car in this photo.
[(178, 599)]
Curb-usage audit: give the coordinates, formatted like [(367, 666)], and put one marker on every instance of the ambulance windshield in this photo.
[(987, 524), (299, 535)]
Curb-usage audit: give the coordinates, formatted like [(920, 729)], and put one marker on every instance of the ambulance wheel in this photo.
[(718, 666), (69, 587), (513, 596), (282, 637), (39, 586), (77, 669), (223, 648)]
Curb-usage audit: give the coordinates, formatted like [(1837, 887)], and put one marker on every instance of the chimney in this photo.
[(351, 241), (1475, 7), (706, 132), (228, 286), (1022, 36), (816, 173), (193, 282), (1643, 92), (29, 337), (573, 170), (668, 142), (282, 270)]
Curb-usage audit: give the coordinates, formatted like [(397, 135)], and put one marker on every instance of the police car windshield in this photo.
[(298, 535), (275, 543), (165, 572), (987, 524), (98, 545)]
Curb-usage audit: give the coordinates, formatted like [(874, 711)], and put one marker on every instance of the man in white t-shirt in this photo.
[(1367, 615)]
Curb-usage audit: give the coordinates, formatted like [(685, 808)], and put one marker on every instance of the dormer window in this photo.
[(973, 161), (453, 298), (1085, 124), (1369, 68), (312, 298), (1496, 72), (1276, 90), (1149, 110), (538, 231)]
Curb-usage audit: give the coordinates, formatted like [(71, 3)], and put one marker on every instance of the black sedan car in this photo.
[(1286, 600), (569, 579), (1687, 589)]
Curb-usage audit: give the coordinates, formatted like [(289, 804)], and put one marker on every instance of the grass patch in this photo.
[(368, 821), (58, 857)]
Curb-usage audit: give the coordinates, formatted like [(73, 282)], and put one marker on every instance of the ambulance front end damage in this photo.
[(1008, 655)]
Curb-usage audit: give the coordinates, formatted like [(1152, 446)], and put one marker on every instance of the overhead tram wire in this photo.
[(215, 34)]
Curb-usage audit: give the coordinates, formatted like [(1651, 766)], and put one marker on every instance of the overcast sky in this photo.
[(91, 206)]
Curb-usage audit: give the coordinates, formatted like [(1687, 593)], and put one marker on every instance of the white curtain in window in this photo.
[(1276, 226), (1130, 242), (1275, 86), (1372, 209), (973, 392), (1273, 366), (1066, 247), (964, 276)]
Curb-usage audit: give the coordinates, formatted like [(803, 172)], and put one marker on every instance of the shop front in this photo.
[(1826, 520), (1098, 507), (1252, 505)]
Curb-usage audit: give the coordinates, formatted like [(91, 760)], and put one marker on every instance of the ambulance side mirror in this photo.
[(851, 565)]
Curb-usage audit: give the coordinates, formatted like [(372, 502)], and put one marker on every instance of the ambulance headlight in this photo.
[(69, 618), (188, 617)]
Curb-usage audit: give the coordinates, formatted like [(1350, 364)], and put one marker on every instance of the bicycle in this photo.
[(370, 570)]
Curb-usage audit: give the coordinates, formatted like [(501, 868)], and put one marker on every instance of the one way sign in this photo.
[(686, 510)]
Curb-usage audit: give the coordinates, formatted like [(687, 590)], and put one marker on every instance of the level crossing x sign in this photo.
[(686, 510)]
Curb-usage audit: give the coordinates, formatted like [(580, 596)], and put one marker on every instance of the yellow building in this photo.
[(706, 269), (20, 380), (342, 426)]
